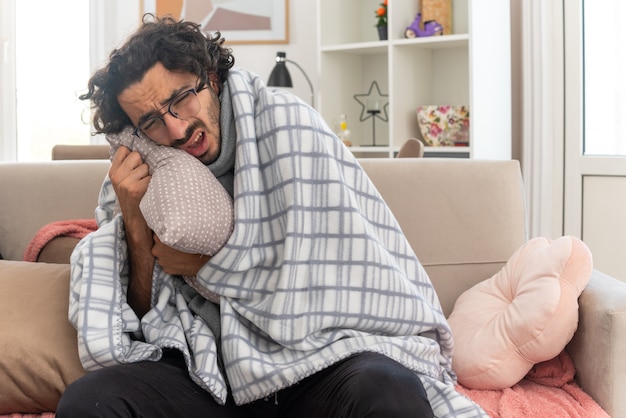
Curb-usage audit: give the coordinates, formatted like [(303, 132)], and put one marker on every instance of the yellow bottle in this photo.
[(344, 132)]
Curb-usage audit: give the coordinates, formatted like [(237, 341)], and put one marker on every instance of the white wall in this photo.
[(117, 18), (302, 48), (111, 21), (8, 116)]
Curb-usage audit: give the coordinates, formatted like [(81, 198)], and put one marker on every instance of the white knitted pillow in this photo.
[(185, 205)]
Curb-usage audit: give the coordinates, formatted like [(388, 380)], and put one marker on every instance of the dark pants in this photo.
[(363, 385)]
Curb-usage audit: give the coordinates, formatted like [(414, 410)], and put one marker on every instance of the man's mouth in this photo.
[(196, 145)]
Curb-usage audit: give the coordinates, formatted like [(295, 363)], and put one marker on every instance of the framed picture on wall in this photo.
[(239, 21)]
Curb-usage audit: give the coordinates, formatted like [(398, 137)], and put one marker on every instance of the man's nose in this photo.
[(175, 127)]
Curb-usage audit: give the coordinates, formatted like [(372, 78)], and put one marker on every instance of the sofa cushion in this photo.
[(38, 344), (58, 250), (46, 236), (34, 194), (525, 314)]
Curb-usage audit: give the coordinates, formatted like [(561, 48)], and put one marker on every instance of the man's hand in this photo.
[(176, 262), (130, 177)]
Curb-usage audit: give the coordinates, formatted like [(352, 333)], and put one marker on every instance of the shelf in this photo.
[(359, 48), (369, 149), (446, 150), (435, 42), (469, 67)]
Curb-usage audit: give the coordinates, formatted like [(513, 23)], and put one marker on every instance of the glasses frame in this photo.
[(199, 87)]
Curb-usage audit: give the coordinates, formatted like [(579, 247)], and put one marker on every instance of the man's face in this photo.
[(198, 135)]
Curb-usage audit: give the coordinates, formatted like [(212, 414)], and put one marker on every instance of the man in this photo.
[(323, 310)]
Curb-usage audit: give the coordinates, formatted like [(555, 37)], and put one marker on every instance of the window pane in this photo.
[(52, 69), (604, 78)]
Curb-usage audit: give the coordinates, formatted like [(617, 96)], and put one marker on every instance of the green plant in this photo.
[(381, 14)]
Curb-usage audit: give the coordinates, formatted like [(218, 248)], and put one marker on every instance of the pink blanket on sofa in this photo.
[(549, 386), (44, 415)]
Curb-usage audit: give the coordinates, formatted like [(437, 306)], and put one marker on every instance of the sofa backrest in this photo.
[(81, 152), (34, 194), (464, 218)]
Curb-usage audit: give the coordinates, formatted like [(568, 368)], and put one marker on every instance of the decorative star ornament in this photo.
[(374, 104)]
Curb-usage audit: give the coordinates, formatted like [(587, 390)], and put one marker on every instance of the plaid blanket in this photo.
[(316, 269)]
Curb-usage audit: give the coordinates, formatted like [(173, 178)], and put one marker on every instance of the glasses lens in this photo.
[(152, 124), (183, 106)]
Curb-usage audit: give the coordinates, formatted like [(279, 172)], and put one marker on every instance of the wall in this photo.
[(117, 18), (110, 23), (302, 48), (8, 116)]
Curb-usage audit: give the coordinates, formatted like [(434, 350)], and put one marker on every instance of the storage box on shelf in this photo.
[(471, 67)]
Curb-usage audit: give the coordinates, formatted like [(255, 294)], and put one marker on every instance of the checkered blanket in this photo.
[(315, 270)]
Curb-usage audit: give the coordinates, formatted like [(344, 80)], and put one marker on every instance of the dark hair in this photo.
[(179, 45)]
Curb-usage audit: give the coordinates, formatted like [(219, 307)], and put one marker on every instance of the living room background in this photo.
[(538, 120), (87, 31)]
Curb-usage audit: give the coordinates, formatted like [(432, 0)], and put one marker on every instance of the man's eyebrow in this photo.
[(164, 103)]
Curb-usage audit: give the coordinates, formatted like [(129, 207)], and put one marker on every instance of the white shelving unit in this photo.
[(471, 67)]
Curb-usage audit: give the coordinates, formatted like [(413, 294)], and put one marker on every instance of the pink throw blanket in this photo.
[(549, 386), (76, 228), (44, 415)]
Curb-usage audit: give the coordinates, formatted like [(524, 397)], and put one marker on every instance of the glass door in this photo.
[(595, 130)]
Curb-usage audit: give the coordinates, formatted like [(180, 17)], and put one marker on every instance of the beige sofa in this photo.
[(464, 219)]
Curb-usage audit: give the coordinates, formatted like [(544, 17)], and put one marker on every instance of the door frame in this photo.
[(603, 228)]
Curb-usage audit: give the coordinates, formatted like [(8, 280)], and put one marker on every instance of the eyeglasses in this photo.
[(184, 105)]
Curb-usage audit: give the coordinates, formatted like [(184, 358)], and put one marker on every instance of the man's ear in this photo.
[(215, 82)]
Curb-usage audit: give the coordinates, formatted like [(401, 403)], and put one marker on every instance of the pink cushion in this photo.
[(525, 314)]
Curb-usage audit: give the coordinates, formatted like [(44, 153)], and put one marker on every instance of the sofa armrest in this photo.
[(599, 344)]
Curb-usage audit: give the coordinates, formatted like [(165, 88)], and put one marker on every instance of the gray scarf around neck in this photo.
[(223, 167)]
